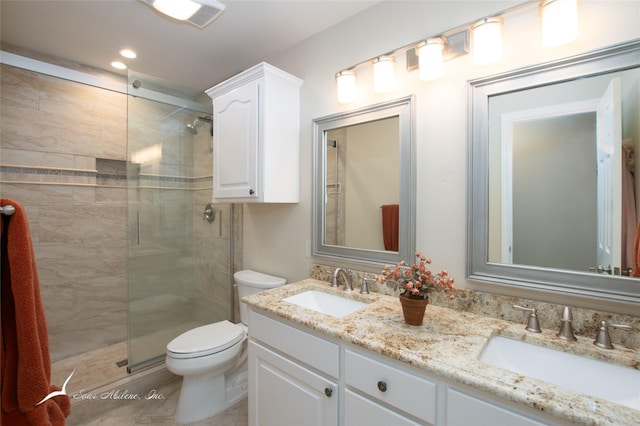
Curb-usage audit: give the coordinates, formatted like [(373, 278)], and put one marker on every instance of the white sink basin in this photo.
[(325, 303), (598, 378)]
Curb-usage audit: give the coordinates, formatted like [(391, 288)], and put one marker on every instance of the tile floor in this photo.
[(109, 410), (111, 403)]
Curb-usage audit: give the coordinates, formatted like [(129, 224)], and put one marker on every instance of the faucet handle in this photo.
[(364, 288), (533, 325), (566, 328), (603, 340)]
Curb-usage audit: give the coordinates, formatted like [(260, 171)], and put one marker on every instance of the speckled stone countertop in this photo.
[(447, 345)]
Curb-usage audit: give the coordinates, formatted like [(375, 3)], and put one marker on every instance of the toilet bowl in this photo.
[(213, 358)]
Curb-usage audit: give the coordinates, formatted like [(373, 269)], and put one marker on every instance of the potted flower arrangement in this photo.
[(416, 282)]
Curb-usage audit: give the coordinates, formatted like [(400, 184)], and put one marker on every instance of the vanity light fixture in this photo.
[(559, 22), (384, 74), (486, 40), (199, 13), (430, 58), (346, 86)]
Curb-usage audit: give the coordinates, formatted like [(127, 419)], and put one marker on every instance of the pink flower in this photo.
[(415, 292)]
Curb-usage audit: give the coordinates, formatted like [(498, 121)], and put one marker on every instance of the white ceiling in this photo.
[(92, 32)]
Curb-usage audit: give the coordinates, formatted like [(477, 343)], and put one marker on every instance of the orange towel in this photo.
[(24, 350), (390, 222)]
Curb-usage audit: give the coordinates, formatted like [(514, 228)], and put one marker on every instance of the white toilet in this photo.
[(213, 358)]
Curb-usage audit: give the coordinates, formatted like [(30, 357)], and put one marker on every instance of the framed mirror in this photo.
[(364, 184), (552, 180)]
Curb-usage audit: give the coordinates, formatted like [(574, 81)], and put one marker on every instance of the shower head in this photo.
[(193, 127)]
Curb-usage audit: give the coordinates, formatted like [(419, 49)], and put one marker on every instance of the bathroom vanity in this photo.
[(368, 367)]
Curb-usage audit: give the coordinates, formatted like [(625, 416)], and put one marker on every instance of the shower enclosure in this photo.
[(114, 184), (179, 263)]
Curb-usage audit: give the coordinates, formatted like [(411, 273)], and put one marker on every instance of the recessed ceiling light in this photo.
[(128, 53), (118, 65)]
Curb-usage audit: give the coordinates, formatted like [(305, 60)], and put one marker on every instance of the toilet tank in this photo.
[(250, 282)]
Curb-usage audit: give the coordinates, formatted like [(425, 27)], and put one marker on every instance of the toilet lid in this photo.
[(206, 340)]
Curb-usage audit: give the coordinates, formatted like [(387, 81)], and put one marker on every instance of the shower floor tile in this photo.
[(93, 369)]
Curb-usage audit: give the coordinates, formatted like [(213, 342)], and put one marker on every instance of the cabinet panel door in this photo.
[(286, 394), (359, 410), (235, 143), (464, 410)]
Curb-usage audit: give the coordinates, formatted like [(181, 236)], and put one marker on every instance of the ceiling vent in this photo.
[(208, 11)]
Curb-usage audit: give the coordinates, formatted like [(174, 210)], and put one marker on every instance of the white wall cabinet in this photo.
[(297, 377), (256, 137)]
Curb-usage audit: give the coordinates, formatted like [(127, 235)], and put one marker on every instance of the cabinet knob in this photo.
[(251, 192), (328, 392), (382, 386)]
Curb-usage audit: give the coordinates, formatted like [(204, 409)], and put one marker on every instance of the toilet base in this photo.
[(202, 397)]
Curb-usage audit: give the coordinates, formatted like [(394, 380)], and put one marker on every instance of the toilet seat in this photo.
[(206, 340)]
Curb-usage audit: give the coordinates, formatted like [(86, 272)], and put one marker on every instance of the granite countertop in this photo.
[(447, 345)]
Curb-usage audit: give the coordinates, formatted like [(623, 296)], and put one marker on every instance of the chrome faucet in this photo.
[(533, 325), (346, 276), (566, 328), (603, 340)]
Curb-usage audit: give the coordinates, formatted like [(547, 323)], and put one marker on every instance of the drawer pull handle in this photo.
[(382, 386), (328, 392), (251, 192)]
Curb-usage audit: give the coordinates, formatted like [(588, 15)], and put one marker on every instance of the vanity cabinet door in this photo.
[(283, 393), (464, 410)]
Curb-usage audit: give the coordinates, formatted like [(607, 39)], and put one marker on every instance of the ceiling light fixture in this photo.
[(487, 40), (118, 65), (177, 9), (559, 22), (128, 53), (199, 13)]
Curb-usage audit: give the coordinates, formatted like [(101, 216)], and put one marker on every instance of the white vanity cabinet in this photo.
[(256, 137), (293, 376), (300, 378)]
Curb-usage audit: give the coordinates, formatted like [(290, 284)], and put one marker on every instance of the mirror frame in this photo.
[(404, 109), (621, 289)]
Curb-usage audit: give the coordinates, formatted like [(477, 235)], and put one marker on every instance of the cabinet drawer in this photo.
[(311, 350), (386, 383), (358, 410)]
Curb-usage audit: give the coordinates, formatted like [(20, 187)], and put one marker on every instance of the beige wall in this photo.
[(276, 236)]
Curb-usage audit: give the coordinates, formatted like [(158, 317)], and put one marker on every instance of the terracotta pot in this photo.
[(413, 309)]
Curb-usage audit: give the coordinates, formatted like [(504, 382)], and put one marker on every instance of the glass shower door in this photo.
[(178, 264)]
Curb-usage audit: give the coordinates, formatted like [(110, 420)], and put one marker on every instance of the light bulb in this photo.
[(430, 59), (487, 40)]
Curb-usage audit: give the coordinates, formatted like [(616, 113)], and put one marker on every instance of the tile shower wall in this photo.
[(52, 133)]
